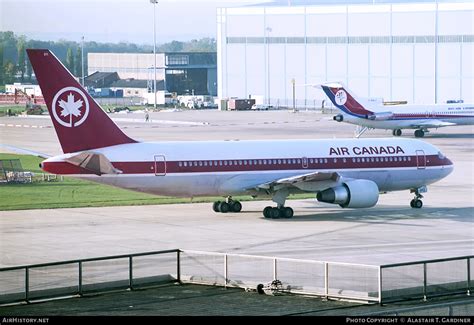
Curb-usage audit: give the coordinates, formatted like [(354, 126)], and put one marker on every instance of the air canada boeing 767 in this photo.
[(348, 172)]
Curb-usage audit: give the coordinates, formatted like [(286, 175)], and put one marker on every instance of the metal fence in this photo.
[(78, 277), (370, 283), (425, 279)]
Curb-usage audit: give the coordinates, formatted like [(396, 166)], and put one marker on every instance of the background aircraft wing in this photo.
[(432, 124), (94, 162)]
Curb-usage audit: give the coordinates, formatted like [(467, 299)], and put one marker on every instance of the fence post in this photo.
[(178, 265), (424, 281), (27, 285), (275, 275), (130, 272), (225, 271), (80, 278), (380, 284), (326, 280), (468, 276)]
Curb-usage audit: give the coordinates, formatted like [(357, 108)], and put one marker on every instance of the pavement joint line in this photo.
[(25, 126)]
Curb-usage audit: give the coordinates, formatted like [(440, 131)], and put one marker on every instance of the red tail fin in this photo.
[(79, 121)]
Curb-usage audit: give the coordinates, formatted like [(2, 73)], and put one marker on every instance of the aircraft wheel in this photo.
[(215, 206), (416, 204), (224, 207), (419, 133), (266, 212), (275, 213), (236, 206), (287, 212), (397, 132)]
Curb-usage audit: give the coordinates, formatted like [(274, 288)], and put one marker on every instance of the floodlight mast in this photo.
[(154, 2)]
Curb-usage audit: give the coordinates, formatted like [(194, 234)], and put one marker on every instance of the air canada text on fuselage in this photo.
[(376, 150)]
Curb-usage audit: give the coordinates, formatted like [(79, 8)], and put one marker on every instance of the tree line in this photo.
[(15, 66)]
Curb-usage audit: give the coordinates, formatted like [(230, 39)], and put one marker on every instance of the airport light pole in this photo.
[(154, 2), (293, 81), (268, 30), (82, 59)]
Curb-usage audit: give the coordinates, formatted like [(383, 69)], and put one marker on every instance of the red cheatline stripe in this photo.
[(208, 166)]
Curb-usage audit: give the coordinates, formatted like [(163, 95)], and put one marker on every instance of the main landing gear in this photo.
[(416, 203), (419, 133), (228, 205), (280, 211)]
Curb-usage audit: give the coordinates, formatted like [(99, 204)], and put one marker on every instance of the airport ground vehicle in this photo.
[(261, 107)]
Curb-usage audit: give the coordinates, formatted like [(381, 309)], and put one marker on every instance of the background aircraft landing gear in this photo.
[(228, 205), (280, 212), (416, 203), (419, 133), (397, 132)]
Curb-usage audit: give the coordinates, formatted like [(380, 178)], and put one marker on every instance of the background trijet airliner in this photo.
[(395, 117), (347, 172)]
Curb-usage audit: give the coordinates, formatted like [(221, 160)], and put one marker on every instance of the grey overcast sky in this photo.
[(112, 20)]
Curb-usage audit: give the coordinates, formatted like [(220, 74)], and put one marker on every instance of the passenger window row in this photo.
[(260, 162)]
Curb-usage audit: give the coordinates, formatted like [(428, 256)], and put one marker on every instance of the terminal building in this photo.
[(192, 73), (399, 51)]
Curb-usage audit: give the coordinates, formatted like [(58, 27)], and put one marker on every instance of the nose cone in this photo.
[(448, 166)]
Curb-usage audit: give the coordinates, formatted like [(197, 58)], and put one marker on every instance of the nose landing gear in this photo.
[(416, 203)]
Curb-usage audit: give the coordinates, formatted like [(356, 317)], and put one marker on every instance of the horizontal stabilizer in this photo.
[(23, 151), (94, 162)]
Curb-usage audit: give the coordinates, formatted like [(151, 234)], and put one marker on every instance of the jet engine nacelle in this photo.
[(338, 118), (352, 194), (381, 116)]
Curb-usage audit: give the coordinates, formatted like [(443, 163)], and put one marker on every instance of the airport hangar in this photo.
[(416, 52), (183, 73)]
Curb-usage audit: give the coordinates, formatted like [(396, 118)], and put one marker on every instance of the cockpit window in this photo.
[(440, 155)]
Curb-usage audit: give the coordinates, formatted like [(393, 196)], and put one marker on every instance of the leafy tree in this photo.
[(29, 70), (70, 60), (1, 66), (9, 70), (78, 67), (21, 63)]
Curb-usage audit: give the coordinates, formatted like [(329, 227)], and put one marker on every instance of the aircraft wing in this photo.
[(94, 162), (307, 182), (432, 124)]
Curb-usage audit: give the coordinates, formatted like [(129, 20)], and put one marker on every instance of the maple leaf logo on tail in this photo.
[(70, 107)]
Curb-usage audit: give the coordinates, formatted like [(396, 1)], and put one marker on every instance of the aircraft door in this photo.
[(420, 159), (304, 162), (160, 165)]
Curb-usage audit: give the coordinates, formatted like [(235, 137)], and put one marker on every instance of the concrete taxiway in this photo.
[(391, 232)]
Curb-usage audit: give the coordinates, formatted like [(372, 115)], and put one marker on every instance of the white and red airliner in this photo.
[(347, 172), (368, 115)]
